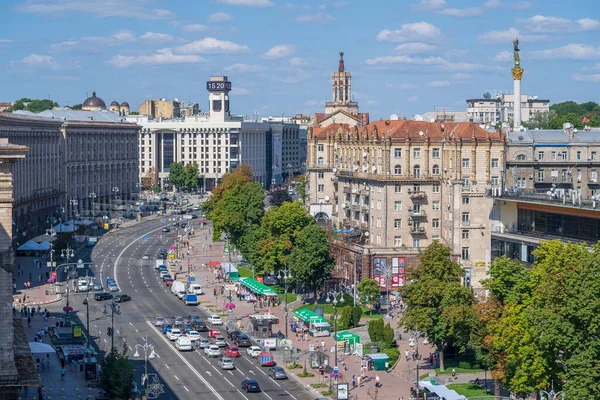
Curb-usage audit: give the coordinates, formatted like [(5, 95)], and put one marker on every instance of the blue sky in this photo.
[(406, 57)]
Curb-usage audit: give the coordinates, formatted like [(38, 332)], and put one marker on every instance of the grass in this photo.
[(448, 371), (245, 272), (318, 385), (306, 374), (469, 390)]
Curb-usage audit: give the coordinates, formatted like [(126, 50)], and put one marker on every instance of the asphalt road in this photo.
[(185, 375)]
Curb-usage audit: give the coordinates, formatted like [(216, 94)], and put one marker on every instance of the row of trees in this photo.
[(568, 111), (538, 325), (184, 176), (283, 236), (33, 105)]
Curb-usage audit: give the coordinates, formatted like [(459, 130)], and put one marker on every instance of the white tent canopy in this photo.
[(41, 348)]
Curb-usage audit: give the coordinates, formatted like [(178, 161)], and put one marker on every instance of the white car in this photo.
[(174, 334), (183, 343), (83, 286), (226, 363), (253, 351), (163, 273), (212, 351), (220, 341), (181, 295), (193, 336), (113, 288), (159, 321), (203, 342), (215, 320)]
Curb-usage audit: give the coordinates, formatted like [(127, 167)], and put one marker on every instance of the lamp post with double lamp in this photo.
[(147, 348), (115, 309), (74, 204), (229, 257), (414, 342), (552, 395), (68, 253), (93, 202), (335, 314), (285, 276), (115, 190)]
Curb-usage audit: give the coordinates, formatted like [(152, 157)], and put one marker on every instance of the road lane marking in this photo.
[(218, 372), (167, 366), (275, 382), (228, 382), (266, 395), (130, 324), (252, 372), (242, 394), (290, 395), (176, 377), (186, 389)]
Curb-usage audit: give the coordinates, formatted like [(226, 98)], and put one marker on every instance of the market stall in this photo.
[(347, 341), (231, 270), (315, 324), (378, 361)]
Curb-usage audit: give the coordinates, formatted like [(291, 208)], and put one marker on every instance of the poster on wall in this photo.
[(398, 271), (379, 266)]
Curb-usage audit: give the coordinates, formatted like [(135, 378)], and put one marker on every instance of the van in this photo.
[(191, 300), (195, 289), (183, 343)]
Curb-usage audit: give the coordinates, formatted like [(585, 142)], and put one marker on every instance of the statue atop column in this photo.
[(516, 53)]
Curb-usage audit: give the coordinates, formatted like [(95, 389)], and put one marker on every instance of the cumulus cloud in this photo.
[(65, 46), (574, 51), (212, 45), (441, 7), (244, 68), (135, 9), (156, 37), (279, 51), (319, 18), (124, 36), (407, 32), (415, 47), (37, 61), (247, 3), (438, 84), (543, 24), (503, 56), (219, 17), (594, 78), (506, 36), (161, 57), (430, 5), (194, 28)]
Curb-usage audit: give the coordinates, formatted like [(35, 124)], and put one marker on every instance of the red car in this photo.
[(214, 333), (168, 282), (232, 351)]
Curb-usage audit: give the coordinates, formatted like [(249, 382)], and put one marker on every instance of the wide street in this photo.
[(187, 375)]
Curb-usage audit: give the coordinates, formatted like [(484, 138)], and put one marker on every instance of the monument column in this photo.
[(517, 73)]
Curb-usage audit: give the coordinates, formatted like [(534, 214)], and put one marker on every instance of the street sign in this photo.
[(191, 274), (77, 330), (336, 370), (191, 279)]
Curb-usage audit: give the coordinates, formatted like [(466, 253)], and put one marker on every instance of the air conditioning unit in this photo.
[(409, 191)]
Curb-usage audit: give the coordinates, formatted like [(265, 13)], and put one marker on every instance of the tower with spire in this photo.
[(341, 91)]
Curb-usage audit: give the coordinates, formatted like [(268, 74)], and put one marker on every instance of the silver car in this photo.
[(159, 321), (178, 321), (226, 363)]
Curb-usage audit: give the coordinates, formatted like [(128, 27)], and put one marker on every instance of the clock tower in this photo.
[(341, 91), (218, 99)]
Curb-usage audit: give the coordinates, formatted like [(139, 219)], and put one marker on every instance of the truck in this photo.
[(195, 289), (177, 287), (159, 263), (91, 241), (191, 300)]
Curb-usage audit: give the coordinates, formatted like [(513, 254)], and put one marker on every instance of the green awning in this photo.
[(348, 336), (307, 315), (257, 287)]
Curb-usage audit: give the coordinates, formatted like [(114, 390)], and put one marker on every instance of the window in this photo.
[(435, 153), (521, 182), (397, 224), (495, 181), (379, 222), (465, 234), (540, 155), (417, 242), (379, 204), (563, 156), (435, 223), (398, 169), (397, 205), (466, 219), (321, 147), (435, 170), (378, 239), (416, 171), (465, 253), (321, 188), (436, 188), (466, 163), (435, 205), (593, 155), (594, 176), (465, 199), (494, 163), (465, 182), (521, 157), (320, 161), (397, 241), (553, 155), (417, 152), (579, 155), (397, 153), (321, 175), (397, 188), (540, 175)]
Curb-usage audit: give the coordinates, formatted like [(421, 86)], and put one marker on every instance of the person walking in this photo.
[(62, 373), (406, 354), (454, 373), (353, 381), (358, 379), (377, 381)]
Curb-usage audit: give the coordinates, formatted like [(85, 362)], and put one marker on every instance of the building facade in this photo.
[(501, 108)]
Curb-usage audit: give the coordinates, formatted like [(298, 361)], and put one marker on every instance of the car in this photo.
[(97, 286), (253, 351), (146, 256), (226, 363), (203, 342), (113, 288), (212, 351), (187, 328), (183, 343), (166, 276), (194, 318), (233, 333), (193, 335), (168, 282), (214, 333), (220, 341), (102, 296), (265, 359), (250, 385), (121, 298), (173, 334), (83, 285), (232, 351), (181, 295), (215, 320), (159, 321), (162, 271), (200, 326), (178, 321), (110, 280), (277, 373), (242, 341), (166, 328), (166, 229)]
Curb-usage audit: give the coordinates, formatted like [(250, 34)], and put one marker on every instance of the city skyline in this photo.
[(405, 57)]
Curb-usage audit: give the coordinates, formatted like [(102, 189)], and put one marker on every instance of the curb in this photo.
[(56, 299)]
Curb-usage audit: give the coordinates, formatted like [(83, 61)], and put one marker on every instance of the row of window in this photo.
[(558, 156)]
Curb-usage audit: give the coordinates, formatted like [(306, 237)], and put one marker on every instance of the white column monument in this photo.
[(517, 73)]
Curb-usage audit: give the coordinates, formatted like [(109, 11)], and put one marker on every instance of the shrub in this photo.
[(375, 330), (393, 354), (388, 335), (464, 365), (356, 314)]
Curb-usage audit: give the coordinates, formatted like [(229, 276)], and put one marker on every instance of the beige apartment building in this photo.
[(500, 108)]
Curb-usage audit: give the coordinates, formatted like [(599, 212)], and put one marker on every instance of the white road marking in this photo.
[(252, 372), (208, 372), (167, 366), (130, 348), (242, 394), (266, 395), (228, 381), (176, 377), (218, 372), (186, 389), (137, 330), (275, 382), (290, 395), (105, 341), (130, 324)]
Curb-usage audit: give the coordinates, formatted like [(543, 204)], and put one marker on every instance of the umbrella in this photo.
[(51, 280), (67, 309), (230, 306)]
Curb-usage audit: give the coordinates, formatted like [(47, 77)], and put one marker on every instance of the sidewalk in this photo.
[(25, 270)]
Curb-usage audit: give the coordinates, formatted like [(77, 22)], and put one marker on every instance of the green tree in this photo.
[(356, 315), (116, 375), (436, 300), (301, 185), (368, 292), (76, 106), (375, 330), (33, 105), (240, 177), (176, 175), (345, 318), (190, 175), (240, 209), (310, 261), (278, 197), (388, 336)]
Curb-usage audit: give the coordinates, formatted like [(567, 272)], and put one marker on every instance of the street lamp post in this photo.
[(68, 253), (74, 203), (335, 314), (229, 256), (286, 275), (93, 197), (114, 308), (414, 342), (146, 347), (552, 395)]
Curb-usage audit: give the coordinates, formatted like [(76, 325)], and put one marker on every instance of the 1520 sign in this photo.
[(217, 86)]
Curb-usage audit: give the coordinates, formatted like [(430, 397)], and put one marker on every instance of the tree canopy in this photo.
[(310, 261), (176, 175), (33, 105), (567, 111), (116, 375), (278, 197)]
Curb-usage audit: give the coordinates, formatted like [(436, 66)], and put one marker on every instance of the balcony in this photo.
[(418, 196), (417, 230), (355, 207), (418, 214), (364, 208), (466, 222), (347, 189)]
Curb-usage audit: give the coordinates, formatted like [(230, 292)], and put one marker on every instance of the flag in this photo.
[(586, 120)]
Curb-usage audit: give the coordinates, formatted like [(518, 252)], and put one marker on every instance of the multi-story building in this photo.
[(500, 108), (550, 190), (5, 105), (79, 161), (168, 109)]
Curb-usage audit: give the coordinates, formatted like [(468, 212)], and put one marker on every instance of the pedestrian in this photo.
[(353, 381), (358, 380), (406, 354), (62, 373), (377, 381), (454, 373), (28, 321)]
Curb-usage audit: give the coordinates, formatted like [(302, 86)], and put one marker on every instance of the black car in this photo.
[(200, 326), (242, 341), (233, 333), (250, 385), (194, 318), (121, 298), (166, 229), (102, 296)]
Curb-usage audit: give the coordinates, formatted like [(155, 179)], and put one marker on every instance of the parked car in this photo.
[(212, 351), (226, 363), (121, 298), (167, 276), (162, 272), (174, 334), (168, 282), (215, 320), (253, 351), (250, 385), (166, 229), (220, 341), (232, 351), (159, 321), (102, 296), (277, 373)]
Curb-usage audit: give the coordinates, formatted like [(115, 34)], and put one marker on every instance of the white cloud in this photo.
[(212, 45), (441, 7), (124, 36), (298, 62), (194, 28), (280, 51), (522, 5), (543, 24), (572, 51), (107, 8), (595, 78), (161, 57), (460, 76), (322, 6), (507, 36), (246, 3), (5, 41), (503, 56), (239, 91), (219, 17), (415, 47), (156, 37), (405, 60), (415, 31), (244, 68), (413, 99), (430, 5), (340, 4), (65, 46), (38, 61), (319, 18), (438, 84), (591, 68)]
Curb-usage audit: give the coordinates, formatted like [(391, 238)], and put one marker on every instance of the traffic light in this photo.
[(109, 331)]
